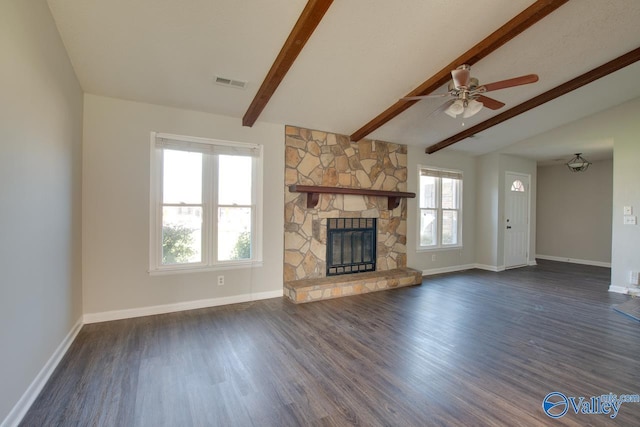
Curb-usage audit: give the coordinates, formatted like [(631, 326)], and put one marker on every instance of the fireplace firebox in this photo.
[(351, 245)]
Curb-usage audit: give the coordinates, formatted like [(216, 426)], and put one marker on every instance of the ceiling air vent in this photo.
[(230, 82)]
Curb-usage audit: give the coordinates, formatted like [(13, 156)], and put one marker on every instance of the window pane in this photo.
[(517, 185), (234, 180), (428, 192), (428, 227), (181, 234), (449, 227), (182, 177), (234, 233), (450, 193)]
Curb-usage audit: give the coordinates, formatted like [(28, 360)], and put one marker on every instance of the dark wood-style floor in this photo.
[(470, 348)]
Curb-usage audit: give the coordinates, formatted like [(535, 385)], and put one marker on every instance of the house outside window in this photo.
[(205, 211), (439, 208)]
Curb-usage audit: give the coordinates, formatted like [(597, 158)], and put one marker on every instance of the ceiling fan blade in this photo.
[(490, 102), (461, 77), (516, 81), (417, 98)]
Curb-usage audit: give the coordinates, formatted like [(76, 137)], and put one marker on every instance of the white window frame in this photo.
[(439, 210), (214, 148)]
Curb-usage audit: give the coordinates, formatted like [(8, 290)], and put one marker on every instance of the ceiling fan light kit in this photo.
[(466, 108), (473, 108), (454, 109), (578, 163)]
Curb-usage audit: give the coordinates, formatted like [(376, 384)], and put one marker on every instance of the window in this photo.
[(440, 208), (204, 203), (517, 186)]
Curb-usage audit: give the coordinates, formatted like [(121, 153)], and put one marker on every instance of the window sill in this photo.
[(439, 248), (203, 269)]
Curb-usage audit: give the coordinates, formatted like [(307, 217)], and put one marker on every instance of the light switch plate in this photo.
[(630, 220), (628, 210)]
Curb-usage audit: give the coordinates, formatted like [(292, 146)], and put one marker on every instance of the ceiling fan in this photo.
[(467, 94)]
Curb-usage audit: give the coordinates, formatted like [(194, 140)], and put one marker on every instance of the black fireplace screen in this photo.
[(351, 245)]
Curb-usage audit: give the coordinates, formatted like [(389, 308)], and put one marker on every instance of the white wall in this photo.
[(115, 208), (626, 190), (483, 209), (621, 125), (490, 223), (487, 218), (40, 182), (574, 213), (449, 258)]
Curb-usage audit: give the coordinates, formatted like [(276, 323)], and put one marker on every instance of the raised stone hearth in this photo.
[(308, 290)]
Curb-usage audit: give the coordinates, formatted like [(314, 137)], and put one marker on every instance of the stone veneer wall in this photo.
[(328, 159)]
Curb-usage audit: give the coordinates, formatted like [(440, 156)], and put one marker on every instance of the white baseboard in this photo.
[(106, 316), (494, 268), (455, 268), (575, 261), (451, 269), (627, 290), (29, 396)]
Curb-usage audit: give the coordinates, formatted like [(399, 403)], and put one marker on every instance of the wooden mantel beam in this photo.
[(314, 191), (586, 78), (300, 34), (502, 35)]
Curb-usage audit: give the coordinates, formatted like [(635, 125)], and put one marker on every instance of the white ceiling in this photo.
[(364, 55)]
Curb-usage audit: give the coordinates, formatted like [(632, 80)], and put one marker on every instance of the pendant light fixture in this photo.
[(578, 163)]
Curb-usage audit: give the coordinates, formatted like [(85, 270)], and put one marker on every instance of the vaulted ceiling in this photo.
[(361, 58)]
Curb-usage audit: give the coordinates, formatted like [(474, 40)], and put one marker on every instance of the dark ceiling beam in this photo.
[(502, 35), (300, 34), (586, 78)]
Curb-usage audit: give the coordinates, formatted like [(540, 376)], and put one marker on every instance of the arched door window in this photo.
[(518, 186)]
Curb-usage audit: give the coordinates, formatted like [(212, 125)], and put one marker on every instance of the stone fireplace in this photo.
[(315, 158)]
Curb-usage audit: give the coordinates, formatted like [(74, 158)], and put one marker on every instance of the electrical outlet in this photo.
[(220, 280), (633, 278), (433, 257), (630, 220), (628, 210)]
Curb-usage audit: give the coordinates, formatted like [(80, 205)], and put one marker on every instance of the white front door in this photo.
[(516, 217)]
